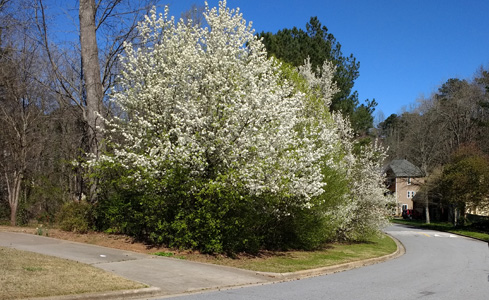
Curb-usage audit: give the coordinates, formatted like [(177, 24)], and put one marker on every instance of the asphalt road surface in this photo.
[(436, 266)]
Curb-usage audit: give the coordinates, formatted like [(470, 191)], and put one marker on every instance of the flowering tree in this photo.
[(218, 147), (209, 100)]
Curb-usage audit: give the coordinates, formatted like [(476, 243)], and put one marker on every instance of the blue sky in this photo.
[(406, 49)]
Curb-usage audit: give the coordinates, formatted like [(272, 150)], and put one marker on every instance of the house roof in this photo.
[(403, 168)]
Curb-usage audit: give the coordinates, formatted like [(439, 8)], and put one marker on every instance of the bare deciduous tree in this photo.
[(84, 74), (430, 132), (22, 106)]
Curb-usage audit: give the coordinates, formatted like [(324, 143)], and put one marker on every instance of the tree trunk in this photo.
[(14, 182), (427, 209), (463, 214), (13, 194), (455, 216), (13, 215), (91, 75), (425, 193)]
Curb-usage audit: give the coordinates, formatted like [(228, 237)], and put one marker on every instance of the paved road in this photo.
[(436, 266)]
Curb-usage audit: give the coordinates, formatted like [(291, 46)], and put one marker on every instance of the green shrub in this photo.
[(183, 212), (76, 217), (210, 215), (212, 220)]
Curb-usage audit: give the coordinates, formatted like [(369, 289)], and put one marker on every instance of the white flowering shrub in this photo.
[(365, 209), (221, 149), (370, 211), (353, 203)]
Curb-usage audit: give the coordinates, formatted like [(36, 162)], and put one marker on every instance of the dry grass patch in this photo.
[(26, 274)]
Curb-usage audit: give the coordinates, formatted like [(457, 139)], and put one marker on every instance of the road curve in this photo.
[(436, 266)]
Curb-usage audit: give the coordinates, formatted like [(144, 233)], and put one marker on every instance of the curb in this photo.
[(337, 268), (124, 294)]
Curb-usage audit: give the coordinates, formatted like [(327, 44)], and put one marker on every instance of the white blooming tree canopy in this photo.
[(208, 103), (209, 100)]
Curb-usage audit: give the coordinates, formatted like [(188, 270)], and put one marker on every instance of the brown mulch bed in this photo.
[(116, 241)]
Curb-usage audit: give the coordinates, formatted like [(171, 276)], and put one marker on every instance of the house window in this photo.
[(409, 181), (404, 207), (410, 194)]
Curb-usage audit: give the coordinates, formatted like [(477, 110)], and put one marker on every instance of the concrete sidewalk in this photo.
[(165, 276)]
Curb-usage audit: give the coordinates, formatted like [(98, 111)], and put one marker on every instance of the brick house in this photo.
[(403, 179)]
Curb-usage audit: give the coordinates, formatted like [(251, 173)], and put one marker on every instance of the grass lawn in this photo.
[(27, 275), (469, 230), (291, 261)]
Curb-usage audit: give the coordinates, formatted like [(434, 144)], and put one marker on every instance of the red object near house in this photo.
[(411, 214)]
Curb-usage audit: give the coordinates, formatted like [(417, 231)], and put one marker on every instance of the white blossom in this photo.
[(209, 100)]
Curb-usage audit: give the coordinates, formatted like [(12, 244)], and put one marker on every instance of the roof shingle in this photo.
[(403, 168)]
